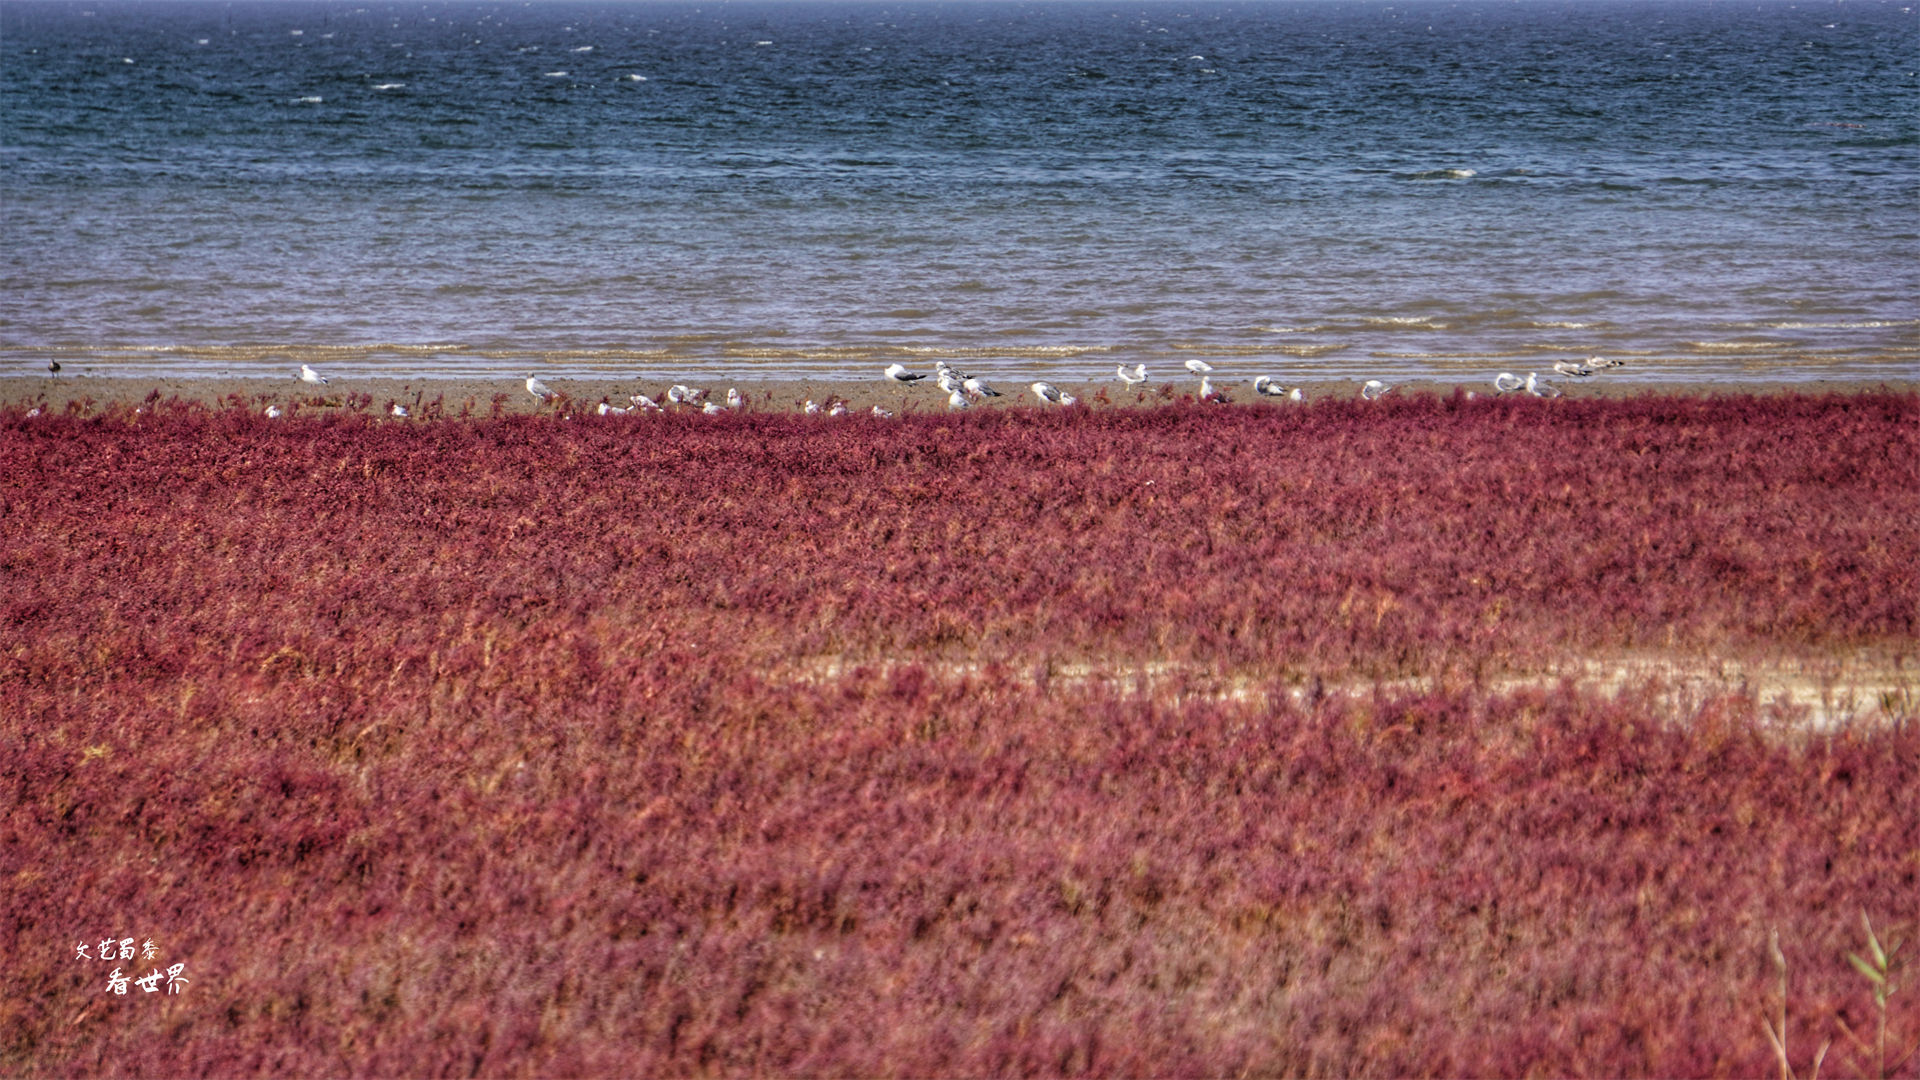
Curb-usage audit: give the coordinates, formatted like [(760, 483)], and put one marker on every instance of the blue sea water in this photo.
[(1405, 188)]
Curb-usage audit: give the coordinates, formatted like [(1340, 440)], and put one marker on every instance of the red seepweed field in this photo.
[(1180, 741)]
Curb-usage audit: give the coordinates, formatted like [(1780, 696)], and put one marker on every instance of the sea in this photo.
[(1703, 189)]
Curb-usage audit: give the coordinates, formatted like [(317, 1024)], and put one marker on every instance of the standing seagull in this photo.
[(1507, 382), (898, 373), (1132, 378), (735, 399), (308, 375), (1540, 389), (539, 389), (1373, 388)]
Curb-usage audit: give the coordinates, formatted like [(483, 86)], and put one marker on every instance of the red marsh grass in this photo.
[(686, 744)]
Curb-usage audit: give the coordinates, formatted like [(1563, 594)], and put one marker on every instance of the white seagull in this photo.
[(400, 410), (735, 399), (958, 400), (1540, 389), (882, 413), (539, 389), (644, 402), (810, 408), (975, 386), (898, 373), (1199, 367), (612, 410), (839, 409), (308, 375), (1266, 387), (948, 381), (1048, 394), (713, 409), (1507, 382), (273, 412), (1601, 363), (1373, 388), (1569, 368), (1132, 378)]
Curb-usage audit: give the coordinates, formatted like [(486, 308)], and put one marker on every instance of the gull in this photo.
[(612, 410), (684, 395), (1540, 389), (810, 408), (1266, 387), (273, 412), (1047, 394), (1507, 382), (1199, 367), (1206, 388), (539, 389), (948, 381), (975, 386), (644, 402), (735, 399), (53, 367), (1601, 363), (308, 375), (839, 409), (1568, 367), (1134, 378), (400, 410), (957, 400), (898, 373), (882, 413), (713, 409), (1373, 388)]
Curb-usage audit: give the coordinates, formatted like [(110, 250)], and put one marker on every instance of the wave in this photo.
[(1737, 346), (1871, 324)]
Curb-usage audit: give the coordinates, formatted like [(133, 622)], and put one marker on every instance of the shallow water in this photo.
[(816, 189)]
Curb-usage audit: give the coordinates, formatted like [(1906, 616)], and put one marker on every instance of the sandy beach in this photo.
[(477, 395)]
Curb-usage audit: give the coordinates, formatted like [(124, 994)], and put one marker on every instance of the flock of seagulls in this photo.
[(1507, 382), (964, 391)]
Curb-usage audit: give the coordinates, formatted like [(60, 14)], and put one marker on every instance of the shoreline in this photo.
[(88, 392)]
